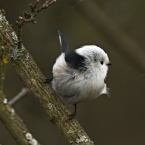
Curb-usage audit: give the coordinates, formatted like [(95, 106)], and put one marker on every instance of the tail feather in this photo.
[(63, 42)]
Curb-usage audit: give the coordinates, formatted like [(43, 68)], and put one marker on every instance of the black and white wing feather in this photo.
[(63, 42), (72, 58)]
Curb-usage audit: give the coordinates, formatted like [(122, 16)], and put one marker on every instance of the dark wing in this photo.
[(75, 60), (63, 42)]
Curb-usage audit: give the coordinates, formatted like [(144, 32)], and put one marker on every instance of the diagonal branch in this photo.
[(3, 61), (10, 119), (14, 124), (32, 77), (20, 95)]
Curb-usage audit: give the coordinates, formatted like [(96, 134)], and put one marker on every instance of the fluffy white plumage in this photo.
[(75, 86)]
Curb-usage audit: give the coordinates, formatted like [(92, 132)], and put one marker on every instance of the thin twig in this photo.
[(8, 116), (53, 105), (30, 17), (76, 4), (33, 6), (19, 96), (45, 5), (14, 124)]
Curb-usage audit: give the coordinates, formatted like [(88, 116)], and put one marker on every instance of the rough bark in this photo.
[(32, 77), (14, 123)]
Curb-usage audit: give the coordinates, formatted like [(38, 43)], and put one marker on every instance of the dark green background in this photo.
[(115, 120)]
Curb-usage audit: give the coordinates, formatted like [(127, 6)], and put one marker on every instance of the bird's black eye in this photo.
[(101, 62)]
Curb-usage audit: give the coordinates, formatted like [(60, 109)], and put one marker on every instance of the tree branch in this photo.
[(21, 94), (8, 116), (14, 124), (32, 76), (30, 17), (3, 61)]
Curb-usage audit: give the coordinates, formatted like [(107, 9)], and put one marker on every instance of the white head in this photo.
[(95, 59)]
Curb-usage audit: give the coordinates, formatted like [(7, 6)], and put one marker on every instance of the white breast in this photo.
[(75, 87)]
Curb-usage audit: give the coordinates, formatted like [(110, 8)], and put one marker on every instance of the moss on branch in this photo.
[(32, 77)]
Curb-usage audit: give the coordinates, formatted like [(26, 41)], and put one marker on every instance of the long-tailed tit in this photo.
[(79, 75)]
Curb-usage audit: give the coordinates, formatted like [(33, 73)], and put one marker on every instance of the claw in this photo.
[(47, 80), (72, 116)]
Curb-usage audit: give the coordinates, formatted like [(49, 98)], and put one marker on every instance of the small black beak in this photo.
[(109, 63)]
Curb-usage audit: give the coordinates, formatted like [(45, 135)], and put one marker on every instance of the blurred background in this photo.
[(114, 25)]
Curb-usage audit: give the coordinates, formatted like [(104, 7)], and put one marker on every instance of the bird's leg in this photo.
[(72, 116), (47, 80)]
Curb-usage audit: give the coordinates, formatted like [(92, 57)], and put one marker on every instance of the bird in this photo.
[(79, 75)]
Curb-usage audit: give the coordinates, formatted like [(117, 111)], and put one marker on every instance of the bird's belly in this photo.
[(79, 90), (90, 91)]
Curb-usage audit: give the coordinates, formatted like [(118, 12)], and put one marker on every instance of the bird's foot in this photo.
[(72, 116), (47, 80)]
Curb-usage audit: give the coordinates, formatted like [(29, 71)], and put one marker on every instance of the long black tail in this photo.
[(63, 42)]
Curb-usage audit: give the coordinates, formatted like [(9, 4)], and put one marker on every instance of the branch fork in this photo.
[(30, 17)]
